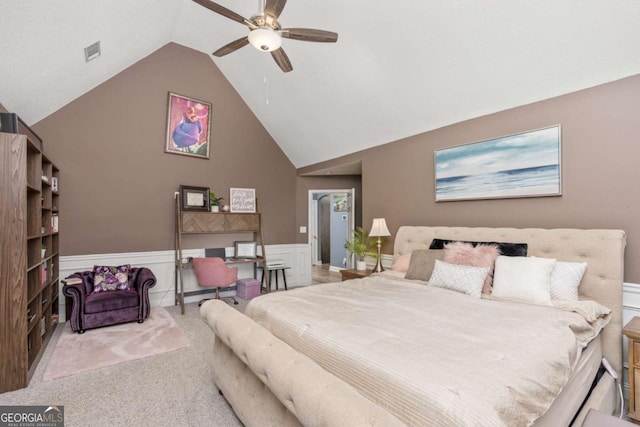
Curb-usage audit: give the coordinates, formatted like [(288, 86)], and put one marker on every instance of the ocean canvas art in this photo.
[(521, 165)]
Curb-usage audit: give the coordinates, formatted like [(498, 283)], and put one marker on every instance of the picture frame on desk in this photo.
[(194, 198), (245, 250)]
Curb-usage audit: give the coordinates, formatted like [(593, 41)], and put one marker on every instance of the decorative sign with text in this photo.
[(243, 199)]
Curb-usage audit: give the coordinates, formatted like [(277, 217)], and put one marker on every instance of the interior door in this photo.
[(328, 216), (324, 228)]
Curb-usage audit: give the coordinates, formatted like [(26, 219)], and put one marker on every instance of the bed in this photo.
[(317, 355)]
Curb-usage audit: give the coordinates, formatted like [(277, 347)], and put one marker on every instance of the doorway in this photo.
[(331, 222)]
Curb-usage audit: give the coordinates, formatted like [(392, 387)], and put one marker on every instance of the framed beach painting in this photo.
[(526, 164), (188, 126)]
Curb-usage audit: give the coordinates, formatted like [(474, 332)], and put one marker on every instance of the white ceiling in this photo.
[(398, 69)]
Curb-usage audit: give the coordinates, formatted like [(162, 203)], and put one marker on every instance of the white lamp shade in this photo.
[(379, 228), (265, 39)]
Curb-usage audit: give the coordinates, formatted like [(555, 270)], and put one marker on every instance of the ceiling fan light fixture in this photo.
[(265, 39)]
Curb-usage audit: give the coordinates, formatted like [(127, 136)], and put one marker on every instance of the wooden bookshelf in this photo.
[(29, 256)]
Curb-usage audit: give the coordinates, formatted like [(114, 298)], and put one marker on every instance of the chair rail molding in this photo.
[(161, 263)]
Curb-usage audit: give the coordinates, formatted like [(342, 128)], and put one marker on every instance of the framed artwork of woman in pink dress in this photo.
[(188, 126)]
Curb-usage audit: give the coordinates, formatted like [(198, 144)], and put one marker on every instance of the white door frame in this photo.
[(312, 226)]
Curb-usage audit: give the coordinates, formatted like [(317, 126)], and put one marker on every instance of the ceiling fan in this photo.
[(266, 33)]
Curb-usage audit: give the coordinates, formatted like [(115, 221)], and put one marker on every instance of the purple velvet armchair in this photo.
[(93, 310)]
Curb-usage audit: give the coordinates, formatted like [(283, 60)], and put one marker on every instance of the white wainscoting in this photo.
[(161, 263)]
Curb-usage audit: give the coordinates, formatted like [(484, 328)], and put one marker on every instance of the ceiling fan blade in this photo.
[(231, 47), (282, 60), (225, 12), (309, 35), (274, 7)]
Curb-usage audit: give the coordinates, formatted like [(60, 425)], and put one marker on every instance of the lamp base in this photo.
[(378, 268)]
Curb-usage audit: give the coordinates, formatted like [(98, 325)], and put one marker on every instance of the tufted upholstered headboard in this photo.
[(602, 250)]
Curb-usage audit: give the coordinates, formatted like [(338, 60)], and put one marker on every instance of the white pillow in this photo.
[(525, 279), (460, 278), (565, 279)]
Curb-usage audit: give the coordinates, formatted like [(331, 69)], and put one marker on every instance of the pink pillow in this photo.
[(479, 256), (402, 263)]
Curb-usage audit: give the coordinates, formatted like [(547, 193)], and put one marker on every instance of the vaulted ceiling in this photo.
[(398, 69)]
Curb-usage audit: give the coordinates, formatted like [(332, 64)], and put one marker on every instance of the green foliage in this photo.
[(359, 244), (213, 200)]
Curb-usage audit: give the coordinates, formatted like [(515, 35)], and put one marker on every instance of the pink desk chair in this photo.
[(214, 273)]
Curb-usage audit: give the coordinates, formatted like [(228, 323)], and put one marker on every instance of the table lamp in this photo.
[(379, 229)]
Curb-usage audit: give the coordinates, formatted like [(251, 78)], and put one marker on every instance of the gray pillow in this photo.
[(422, 263)]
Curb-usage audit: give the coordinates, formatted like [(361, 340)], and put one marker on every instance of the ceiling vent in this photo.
[(92, 51)]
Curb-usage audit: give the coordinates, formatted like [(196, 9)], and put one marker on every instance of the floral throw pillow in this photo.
[(107, 278)]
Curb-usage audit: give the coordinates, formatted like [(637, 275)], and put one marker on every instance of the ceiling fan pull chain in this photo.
[(264, 79)]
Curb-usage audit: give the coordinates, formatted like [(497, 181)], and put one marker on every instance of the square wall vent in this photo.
[(92, 51)]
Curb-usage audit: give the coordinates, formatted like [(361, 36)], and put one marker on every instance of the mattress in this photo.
[(565, 406), (431, 356)]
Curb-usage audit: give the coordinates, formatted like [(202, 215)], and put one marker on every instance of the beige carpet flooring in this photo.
[(168, 389), (102, 347)]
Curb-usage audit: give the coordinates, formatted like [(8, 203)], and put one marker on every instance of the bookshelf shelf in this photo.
[(28, 280)]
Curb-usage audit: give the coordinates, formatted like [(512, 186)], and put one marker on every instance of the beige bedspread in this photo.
[(432, 356)]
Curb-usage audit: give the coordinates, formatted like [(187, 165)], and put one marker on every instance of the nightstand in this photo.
[(632, 332), (354, 274)]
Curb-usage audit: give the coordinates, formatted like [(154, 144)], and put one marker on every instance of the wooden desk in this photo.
[(192, 223)]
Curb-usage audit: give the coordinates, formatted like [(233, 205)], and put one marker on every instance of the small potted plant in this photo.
[(214, 202), (358, 246)]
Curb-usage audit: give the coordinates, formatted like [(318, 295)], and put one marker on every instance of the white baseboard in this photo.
[(161, 263)]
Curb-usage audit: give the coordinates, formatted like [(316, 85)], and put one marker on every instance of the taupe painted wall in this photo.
[(600, 149), (117, 184)]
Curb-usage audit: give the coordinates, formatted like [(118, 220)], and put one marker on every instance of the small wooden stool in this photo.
[(276, 269)]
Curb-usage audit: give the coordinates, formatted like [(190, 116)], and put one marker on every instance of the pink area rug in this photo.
[(98, 348)]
